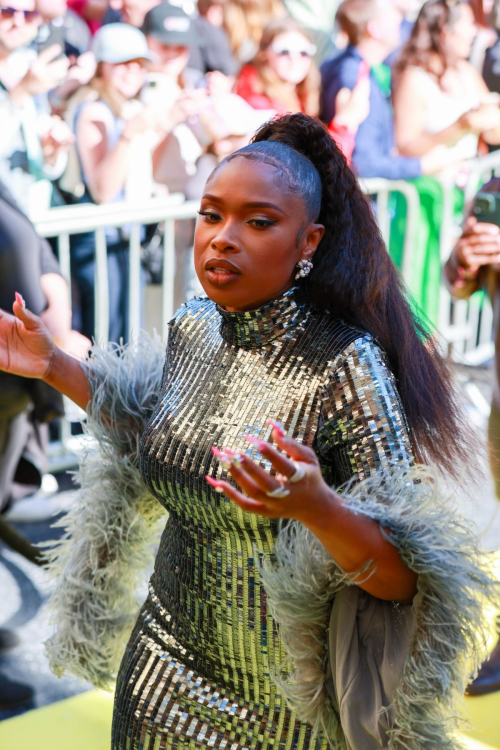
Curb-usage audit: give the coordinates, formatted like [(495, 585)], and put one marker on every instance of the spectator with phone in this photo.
[(178, 89), (116, 138), (62, 26), (34, 144), (373, 29), (474, 264)]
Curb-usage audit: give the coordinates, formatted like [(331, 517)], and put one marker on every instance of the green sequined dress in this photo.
[(198, 668)]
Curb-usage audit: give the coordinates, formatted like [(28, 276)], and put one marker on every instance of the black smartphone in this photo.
[(487, 208)]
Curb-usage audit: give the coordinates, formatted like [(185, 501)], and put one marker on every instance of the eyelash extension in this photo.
[(265, 222)]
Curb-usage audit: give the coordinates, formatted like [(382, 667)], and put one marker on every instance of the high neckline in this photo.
[(259, 327)]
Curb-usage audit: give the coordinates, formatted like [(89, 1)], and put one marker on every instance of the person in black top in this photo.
[(27, 266)]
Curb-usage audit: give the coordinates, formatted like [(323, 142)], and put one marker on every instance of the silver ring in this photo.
[(280, 491), (298, 474)]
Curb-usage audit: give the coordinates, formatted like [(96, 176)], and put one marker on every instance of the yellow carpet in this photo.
[(79, 723), (84, 723), (484, 715)]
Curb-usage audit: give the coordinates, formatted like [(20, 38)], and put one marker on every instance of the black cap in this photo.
[(170, 25)]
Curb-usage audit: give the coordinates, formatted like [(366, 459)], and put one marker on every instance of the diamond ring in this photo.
[(297, 475), (280, 491)]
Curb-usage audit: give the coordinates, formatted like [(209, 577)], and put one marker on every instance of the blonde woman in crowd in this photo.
[(282, 76)]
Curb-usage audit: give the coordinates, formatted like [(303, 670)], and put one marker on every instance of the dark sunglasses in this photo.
[(7, 13)]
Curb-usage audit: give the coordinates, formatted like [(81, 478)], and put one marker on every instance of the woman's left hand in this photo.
[(300, 491)]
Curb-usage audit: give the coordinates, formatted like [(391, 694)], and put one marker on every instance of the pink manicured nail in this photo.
[(215, 484), (223, 458), (261, 445), (20, 300), (276, 425), (236, 457)]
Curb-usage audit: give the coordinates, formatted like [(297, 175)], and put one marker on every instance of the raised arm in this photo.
[(27, 349)]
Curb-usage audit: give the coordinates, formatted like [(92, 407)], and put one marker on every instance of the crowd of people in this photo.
[(127, 99), (117, 101)]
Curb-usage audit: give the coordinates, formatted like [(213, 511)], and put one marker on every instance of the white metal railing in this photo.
[(70, 220), (66, 221), (381, 190)]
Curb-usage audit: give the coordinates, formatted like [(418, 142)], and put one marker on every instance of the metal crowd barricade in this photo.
[(380, 189), (66, 221), (70, 220)]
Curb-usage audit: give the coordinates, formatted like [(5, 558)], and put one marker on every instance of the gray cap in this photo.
[(118, 43), (170, 25)]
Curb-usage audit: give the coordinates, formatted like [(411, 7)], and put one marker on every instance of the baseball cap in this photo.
[(170, 25), (119, 43)]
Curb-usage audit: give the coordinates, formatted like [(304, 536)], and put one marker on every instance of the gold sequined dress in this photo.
[(198, 668)]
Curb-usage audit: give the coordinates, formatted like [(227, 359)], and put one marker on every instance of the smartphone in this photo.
[(49, 35), (487, 208)]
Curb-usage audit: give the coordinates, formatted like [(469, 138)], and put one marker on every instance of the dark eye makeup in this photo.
[(211, 217)]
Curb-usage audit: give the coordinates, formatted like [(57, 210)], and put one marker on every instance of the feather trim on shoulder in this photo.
[(111, 530), (449, 640)]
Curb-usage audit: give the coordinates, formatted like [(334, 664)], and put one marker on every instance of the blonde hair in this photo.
[(244, 20), (305, 96)]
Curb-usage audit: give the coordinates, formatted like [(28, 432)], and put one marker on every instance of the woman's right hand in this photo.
[(26, 346)]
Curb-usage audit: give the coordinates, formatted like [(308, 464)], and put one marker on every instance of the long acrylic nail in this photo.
[(215, 484), (237, 458), (20, 300), (221, 457), (261, 445), (276, 425)]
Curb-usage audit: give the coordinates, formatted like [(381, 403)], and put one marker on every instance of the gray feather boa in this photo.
[(111, 531), (450, 634), (113, 527)]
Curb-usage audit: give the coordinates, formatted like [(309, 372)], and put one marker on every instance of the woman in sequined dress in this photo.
[(305, 325)]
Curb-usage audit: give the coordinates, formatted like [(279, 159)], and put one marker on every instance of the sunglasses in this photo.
[(308, 51), (7, 13)]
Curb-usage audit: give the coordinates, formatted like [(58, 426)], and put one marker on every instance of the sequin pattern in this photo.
[(198, 667)]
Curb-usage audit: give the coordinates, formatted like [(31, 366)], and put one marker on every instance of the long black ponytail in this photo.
[(355, 280)]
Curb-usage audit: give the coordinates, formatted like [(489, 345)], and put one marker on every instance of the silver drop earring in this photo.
[(305, 268)]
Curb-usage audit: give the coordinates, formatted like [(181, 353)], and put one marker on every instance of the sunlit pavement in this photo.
[(71, 716)]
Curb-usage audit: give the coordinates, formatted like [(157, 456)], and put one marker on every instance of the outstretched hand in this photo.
[(26, 346), (299, 490)]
